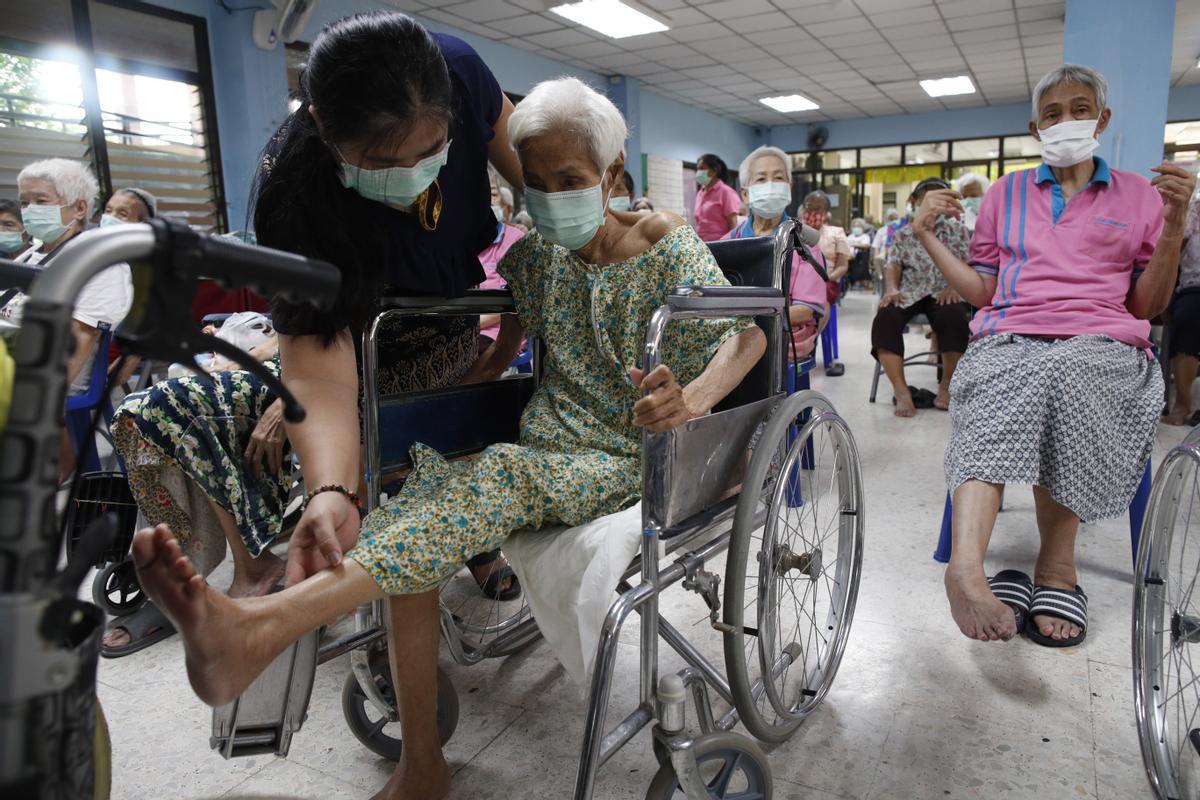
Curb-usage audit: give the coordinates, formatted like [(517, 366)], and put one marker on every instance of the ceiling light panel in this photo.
[(611, 18), (789, 103), (942, 87)]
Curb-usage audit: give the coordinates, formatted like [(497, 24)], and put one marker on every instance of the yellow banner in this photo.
[(907, 174)]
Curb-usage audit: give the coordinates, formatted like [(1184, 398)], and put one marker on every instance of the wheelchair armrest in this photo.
[(731, 301), (475, 301)]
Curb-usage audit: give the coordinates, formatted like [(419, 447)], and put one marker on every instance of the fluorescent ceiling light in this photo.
[(609, 17), (940, 87), (788, 103)]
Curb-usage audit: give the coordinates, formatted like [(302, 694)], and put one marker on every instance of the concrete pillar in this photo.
[(626, 94), (1130, 44)]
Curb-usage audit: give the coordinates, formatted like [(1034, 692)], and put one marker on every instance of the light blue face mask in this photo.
[(107, 220), (702, 179), (972, 204), (768, 200), (44, 222), (11, 240), (618, 203), (570, 219), (394, 186)]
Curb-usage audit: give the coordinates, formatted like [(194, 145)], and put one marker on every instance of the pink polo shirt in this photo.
[(714, 204), (489, 258), (1065, 267), (806, 289)]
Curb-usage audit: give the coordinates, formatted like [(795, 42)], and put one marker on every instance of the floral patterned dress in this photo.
[(579, 455)]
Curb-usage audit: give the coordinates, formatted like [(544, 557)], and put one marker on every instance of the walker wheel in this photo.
[(380, 733), (116, 589), (731, 766)]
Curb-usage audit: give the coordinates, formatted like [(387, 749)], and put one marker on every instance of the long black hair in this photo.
[(368, 77), (714, 162)]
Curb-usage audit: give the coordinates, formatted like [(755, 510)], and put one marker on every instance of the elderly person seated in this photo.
[(765, 177), (506, 236), (836, 249), (129, 205), (1058, 387), (13, 238), (913, 285), (972, 186), (621, 198), (587, 282), (1183, 322)]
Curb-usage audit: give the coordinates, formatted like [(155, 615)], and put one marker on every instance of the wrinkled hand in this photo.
[(267, 440), (937, 203), (1176, 185), (664, 407), (891, 297), (948, 296), (328, 528)]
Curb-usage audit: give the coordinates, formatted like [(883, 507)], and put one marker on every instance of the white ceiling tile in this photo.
[(730, 9), (987, 35), (525, 25), (847, 41), (697, 33), (644, 68), (679, 17), (758, 22), (981, 21), (646, 41), (593, 49), (788, 34), (896, 33), (1046, 12), (730, 44), (683, 62), (833, 27), (968, 8), (905, 16), (711, 71), (809, 15), (478, 11), (564, 38)]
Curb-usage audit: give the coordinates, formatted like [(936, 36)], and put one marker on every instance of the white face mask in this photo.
[(498, 213), (1068, 143), (768, 200)]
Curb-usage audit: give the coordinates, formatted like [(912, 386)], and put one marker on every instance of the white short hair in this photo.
[(72, 180), (890, 212), (1071, 73), (972, 178), (569, 105), (506, 197), (757, 153)]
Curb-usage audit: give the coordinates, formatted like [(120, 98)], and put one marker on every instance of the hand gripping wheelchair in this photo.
[(1166, 627), (53, 743), (771, 478)]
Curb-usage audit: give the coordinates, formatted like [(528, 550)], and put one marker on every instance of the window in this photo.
[(879, 156), (123, 85), (927, 153)]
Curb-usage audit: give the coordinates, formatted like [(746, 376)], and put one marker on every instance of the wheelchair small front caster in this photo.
[(380, 733), (731, 766), (116, 589)]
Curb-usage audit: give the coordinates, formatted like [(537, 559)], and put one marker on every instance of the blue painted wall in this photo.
[(675, 130)]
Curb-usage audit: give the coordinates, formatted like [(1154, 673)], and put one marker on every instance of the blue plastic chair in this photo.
[(80, 407), (829, 339), (1137, 510)]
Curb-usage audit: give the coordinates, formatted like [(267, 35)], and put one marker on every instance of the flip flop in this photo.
[(1015, 589), (146, 626), (1060, 603), (490, 586)]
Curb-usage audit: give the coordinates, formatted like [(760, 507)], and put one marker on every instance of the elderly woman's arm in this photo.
[(1151, 293), (976, 288), (492, 362), (669, 405)]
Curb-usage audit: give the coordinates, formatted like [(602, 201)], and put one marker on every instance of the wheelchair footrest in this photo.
[(273, 707)]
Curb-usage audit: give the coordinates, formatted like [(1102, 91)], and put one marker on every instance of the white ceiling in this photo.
[(855, 58)]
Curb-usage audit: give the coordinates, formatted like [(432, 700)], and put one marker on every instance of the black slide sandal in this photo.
[(1060, 603), (146, 626), (489, 587), (1015, 589)]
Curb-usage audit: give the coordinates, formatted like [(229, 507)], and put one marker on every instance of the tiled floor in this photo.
[(917, 711)]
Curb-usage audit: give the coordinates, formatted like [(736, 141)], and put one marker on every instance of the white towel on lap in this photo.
[(570, 578)]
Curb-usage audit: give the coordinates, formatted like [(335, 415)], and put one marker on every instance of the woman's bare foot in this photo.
[(976, 611), (429, 780), (905, 406), (268, 573), (220, 663), (1174, 418), (1060, 577), (942, 401)]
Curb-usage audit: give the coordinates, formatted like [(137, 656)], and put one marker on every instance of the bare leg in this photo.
[(412, 648), (976, 610), (227, 642), (1055, 568), (893, 366), (949, 364), (1184, 369), (252, 577)]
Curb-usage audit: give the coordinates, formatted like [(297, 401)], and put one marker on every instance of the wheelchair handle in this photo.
[(16, 276)]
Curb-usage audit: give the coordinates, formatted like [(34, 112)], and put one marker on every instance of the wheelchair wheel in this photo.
[(731, 766), (380, 733), (116, 589), (792, 573), (1166, 628), (478, 622)]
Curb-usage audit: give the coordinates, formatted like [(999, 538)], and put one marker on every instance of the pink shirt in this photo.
[(806, 289), (1065, 268), (714, 204), (489, 258)]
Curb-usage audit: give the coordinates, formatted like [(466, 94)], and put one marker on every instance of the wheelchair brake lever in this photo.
[(292, 410)]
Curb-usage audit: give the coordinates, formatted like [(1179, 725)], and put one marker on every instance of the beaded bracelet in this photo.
[(333, 487)]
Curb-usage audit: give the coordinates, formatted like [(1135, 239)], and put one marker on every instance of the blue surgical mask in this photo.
[(570, 219), (394, 186), (11, 241), (857, 231), (44, 222), (618, 203), (972, 204), (768, 200), (110, 219)]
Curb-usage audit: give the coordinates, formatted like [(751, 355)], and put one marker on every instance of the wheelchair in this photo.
[(770, 479), (1166, 627)]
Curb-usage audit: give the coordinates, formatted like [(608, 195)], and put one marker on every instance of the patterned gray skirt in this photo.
[(1076, 416)]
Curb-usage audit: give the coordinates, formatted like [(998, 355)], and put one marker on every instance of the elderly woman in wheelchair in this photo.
[(586, 284)]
